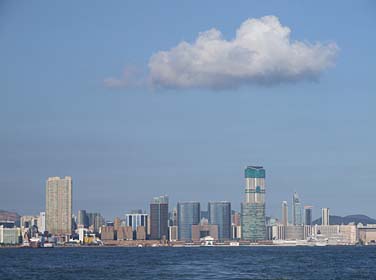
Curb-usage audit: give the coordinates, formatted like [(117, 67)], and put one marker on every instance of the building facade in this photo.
[(296, 210), (159, 217), (107, 233), (124, 233), (59, 205), (42, 222), (135, 220), (308, 215), (294, 232), (173, 233), (82, 219), (219, 213), (285, 213), (204, 229), (95, 221), (9, 236), (253, 221), (325, 216), (188, 215)]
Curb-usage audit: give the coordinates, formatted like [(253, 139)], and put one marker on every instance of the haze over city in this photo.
[(112, 98)]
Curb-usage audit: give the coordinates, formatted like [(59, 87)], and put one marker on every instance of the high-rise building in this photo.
[(159, 217), (188, 215), (308, 215), (253, 208), (82, 218), (219, 213), (59, 205), (297, 218), (95, 221), (325, 216), (285, 213), (42, 222)]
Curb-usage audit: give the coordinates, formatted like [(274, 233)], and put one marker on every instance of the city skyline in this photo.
[(292, 217), (94, 99)]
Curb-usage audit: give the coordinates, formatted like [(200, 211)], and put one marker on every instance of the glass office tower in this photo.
[(220, 214), (308, 215), (188, 215), (253, 208), (159, 217), (297, 218)]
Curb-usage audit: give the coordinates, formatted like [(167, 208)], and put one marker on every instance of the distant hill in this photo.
[(338, 220), (9, 216)]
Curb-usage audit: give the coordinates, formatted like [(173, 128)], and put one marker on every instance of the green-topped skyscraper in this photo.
[(253, 207)]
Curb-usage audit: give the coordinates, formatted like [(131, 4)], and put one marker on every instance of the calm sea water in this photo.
[(190, 263)]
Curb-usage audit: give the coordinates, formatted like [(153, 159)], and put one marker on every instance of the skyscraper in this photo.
[(95, 221), (82, 218), (285, 213), (253, 208), (188, 215), (296, 210), (159, 217), (220, 214), (308, 215), (325, 216), (59, 205)]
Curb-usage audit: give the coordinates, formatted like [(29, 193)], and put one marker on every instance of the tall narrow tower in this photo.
[(159, 217), (285, 213), (297, 218), (325, 216), (253, 207), (308, 215), (59, 205)]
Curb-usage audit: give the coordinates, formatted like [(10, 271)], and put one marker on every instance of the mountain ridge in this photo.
[(355, 218)]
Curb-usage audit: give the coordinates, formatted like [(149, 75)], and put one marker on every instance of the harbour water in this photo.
[(338, 262)]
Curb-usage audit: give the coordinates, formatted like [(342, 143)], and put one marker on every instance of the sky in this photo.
[(136, 99)]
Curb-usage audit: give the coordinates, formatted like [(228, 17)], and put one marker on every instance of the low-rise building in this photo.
[(141, 233), (204, 229), (124, 233), (367, 234), (107, 233), (294, 232), (9, 236)]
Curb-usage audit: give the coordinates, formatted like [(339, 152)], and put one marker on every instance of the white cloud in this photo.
[(261, 53)]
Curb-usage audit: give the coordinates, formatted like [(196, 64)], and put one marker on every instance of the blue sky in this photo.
[(125, 145)]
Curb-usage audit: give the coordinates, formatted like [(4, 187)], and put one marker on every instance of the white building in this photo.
[(136, 219), (325, 216), (9, 236), (29, 221), (336, 234), (42, 222)]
